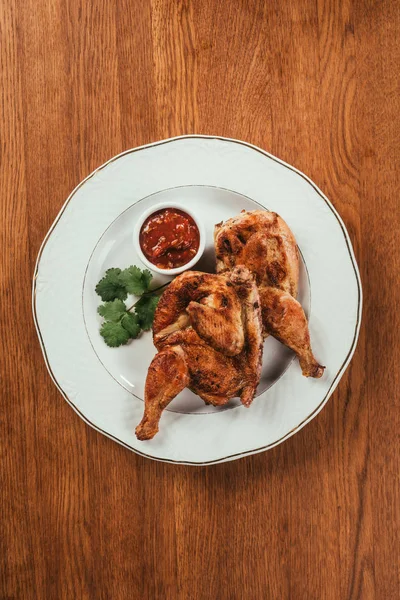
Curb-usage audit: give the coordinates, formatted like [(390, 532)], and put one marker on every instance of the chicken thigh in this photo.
[(261, 241), (208, 333)]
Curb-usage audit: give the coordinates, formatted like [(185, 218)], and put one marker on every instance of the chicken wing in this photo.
[(193, 352), (211, 306)]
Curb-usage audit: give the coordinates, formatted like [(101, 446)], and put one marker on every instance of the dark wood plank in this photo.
[(377, 121), (315, 83)]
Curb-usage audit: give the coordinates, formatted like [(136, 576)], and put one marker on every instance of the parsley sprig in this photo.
[(120, 323)]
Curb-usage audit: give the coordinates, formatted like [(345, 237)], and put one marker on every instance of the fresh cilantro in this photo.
[(135, 280), (120, 325), (147, 276), (110, 287), (145, 308), (130, 322), (114, 334), (112, 311)]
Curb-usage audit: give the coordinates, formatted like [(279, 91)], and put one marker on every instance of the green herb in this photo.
[(120, 324), (111, 287), (112, 311), (135, 280), (145, 309), (130, 322), (114, 334)]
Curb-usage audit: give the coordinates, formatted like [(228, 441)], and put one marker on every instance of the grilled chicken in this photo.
[(261, 241), (204, 326), (284, 319), (209, 304)]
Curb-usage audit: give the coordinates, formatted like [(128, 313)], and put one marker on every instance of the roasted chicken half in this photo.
[(261, 241), (204, 326)]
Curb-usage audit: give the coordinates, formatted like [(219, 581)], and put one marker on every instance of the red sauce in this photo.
[(169, 238)]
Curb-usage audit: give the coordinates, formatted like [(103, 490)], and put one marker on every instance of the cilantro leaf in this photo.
[(112, 311), (110, 287), (147, 276), (145, 308), (114, 334), (121, 325), (135, 281), (130, 322)]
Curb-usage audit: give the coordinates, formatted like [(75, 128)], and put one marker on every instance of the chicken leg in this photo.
[(284, 318), (167, 376)]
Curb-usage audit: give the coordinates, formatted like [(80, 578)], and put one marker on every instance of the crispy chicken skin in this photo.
[(209, 304), (261, 241), (284, 319), (196, 346)]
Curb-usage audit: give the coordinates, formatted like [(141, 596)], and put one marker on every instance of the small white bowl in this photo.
[(177, 270)]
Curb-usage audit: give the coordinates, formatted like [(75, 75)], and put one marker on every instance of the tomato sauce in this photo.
[(169, 238)]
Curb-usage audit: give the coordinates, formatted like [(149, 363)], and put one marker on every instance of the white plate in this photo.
[(216, 178)]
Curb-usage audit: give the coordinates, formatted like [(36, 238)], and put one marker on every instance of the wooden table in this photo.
[(315, 83)]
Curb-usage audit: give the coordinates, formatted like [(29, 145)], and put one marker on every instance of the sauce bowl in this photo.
[(146, 261)]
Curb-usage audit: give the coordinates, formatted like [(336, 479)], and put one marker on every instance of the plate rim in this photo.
[(338, 375)]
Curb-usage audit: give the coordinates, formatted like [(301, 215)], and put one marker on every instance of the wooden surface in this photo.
[(315, 83)]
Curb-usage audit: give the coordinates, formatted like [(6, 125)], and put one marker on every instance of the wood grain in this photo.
[(316, 84)]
